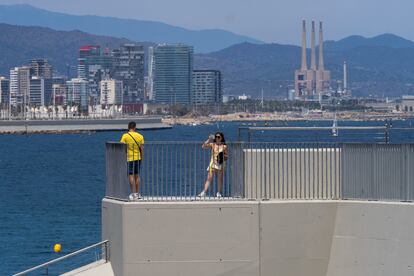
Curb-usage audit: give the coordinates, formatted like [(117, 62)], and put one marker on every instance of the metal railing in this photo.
[(104, 255), (378, 172), (178, 171), (334, 134)]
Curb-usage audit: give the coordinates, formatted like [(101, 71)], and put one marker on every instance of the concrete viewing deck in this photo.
[(288, 237)]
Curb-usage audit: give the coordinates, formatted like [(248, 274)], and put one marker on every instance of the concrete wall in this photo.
[(260, 238), (209, 238), (373, 238), (296, 237)]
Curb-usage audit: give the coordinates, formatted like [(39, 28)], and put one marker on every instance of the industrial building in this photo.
[(313, 81), (407, 103)]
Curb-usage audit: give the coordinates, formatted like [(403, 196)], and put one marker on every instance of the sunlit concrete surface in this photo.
[(100, 268), (291, 237)]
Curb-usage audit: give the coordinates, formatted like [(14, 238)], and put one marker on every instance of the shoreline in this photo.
[(249, 117)]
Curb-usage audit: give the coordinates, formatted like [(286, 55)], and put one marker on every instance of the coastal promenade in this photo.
[(78, 125)]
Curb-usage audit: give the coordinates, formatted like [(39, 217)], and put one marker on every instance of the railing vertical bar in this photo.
[(182, 163), (283, 174), (157, 187), (300, 171), (186, 170), (307, 192), (162, 172), (176, 165), (172, 149), (290, 170), (249, 156), (277, 151)]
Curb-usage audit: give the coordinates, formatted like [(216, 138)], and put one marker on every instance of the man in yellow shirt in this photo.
[(135, 153)]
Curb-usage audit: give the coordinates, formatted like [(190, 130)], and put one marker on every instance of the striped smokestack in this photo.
[(313, 50), (304, 65), (321, 65)]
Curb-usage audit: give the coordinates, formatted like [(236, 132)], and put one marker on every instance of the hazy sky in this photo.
[(268, 20)]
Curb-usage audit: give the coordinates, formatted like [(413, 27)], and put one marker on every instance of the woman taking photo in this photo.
[(219, 156)]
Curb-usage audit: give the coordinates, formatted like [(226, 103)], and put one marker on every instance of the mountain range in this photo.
[(382, 65), (138, 30), (19, 44)]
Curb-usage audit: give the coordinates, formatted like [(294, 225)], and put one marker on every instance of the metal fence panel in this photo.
[(116, 171), (292, 171), (376, 171), (410, 173)]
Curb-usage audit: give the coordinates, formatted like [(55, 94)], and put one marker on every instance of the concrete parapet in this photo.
[(263, 238), (202, 238)]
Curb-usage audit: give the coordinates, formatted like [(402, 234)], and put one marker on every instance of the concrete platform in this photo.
[(265, 238)]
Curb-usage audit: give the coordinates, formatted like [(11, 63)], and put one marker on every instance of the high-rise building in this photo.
[(129, 68), (59, 94), (40, 68), (4, 91), (172, 72), (111, 92), (78, 95), (20, 86), (94, 67), (315, 80), (150, 79), (37, 91), (85, 54), (207, 87)]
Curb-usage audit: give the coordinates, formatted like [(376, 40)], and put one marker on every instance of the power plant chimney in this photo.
[(321, 66), (313, 50), (304, 66), (345, 77)]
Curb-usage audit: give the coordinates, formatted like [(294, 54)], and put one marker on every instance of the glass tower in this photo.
[(172, 67)]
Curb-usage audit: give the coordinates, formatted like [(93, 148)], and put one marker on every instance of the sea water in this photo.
[(51, 186)]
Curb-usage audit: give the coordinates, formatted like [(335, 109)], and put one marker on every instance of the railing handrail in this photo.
[(262, 143), (314, 128), (63, 258)]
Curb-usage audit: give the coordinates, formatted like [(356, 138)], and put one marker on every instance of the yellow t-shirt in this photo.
[(133, 147)]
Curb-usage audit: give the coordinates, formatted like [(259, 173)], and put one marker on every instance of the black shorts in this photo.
[(134, 167)]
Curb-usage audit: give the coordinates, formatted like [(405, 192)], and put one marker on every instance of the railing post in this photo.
[(407, 171), (106, 252), (374, 170)]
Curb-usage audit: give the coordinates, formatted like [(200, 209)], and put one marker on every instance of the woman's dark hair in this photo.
[(223, 140)]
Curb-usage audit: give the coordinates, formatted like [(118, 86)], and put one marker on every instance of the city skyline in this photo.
[(267, 21)]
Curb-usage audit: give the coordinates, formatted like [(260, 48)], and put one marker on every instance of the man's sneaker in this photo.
[(131, 197), (219, 195), (202, 194)]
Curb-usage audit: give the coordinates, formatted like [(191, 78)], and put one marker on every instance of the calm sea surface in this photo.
[(51, 186)]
